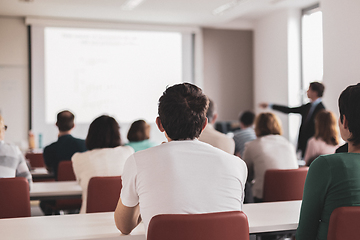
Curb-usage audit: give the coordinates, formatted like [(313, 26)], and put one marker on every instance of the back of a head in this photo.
[(326, 127), (267, 124), (210, 111), (65, 121), (247, 118), (138, 131), (349, 107), (317, 87), (182, 111), (103, 133)]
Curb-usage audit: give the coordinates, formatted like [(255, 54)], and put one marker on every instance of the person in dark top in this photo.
[(308, 112), (61, 150), (66, 145), (342, 148)]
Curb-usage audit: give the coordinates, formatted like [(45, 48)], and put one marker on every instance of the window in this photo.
[(312, 47)]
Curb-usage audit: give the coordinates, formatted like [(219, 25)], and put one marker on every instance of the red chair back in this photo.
[(103, 194), (35, 159), (284, 184), (14, 198), (344, 223), (66, 173), (209, 226)]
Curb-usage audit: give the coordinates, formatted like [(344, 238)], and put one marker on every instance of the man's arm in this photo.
[(126, 218), (286, 109)]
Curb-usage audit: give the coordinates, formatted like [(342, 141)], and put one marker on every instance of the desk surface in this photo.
[(55, 190), (41, 173), (263, 217)]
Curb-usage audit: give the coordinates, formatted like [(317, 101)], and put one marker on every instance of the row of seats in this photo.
[(103, 193)]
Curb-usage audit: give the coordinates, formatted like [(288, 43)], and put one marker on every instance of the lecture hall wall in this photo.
[(231, 88)]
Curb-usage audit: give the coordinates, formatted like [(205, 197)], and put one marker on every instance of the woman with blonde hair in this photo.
[(269, 151), (326, 138)]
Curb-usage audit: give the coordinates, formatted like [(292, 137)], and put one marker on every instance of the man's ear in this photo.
[(159, 125), (205, 124), (214, 118), (345, 122)]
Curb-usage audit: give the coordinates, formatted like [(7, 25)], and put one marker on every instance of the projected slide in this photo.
[(120, 73)]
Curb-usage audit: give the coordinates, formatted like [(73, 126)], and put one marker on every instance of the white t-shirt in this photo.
[(268, 152), (183, 177), (217, 139), (98, 162)]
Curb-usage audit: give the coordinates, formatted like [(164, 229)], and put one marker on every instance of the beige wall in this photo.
[(341, 48), (14, 96), (228, 70)]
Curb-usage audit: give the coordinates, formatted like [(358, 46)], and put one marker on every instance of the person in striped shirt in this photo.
[(246, 133), (12, 161)]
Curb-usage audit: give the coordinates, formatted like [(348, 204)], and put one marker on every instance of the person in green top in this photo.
[(138, 136), (333, 180)]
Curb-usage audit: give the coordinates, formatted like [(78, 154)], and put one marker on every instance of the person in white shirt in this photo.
[(183, 175), (213, 137), (105, 156), (269, 151), (12, 161)]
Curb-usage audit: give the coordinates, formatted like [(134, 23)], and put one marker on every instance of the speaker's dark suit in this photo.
[(307, 127)]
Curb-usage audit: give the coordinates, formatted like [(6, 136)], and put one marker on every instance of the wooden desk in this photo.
[(263, 217), (55, 190)]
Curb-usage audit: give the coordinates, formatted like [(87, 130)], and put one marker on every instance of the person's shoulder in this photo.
[(50, 147)]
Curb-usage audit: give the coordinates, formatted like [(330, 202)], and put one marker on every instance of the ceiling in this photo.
[(178, 12)]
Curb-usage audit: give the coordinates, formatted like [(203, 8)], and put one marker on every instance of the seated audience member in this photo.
[(333, 180), (326, 138), (12, 161), (139, 135), (66, 145), (105, 156), (269, 151), (183, 175), (214, 137), (246, 132)]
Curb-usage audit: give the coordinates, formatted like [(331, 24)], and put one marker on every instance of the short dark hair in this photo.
[(349, 107), (247, 118), (103, 133), (182, 111), (210, 111), (65, 120), (317, 87), (138, 131), (267, 124)]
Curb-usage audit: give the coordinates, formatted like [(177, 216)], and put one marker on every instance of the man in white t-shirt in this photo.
[(184, 175)]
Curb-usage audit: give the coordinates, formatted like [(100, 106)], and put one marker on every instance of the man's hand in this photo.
[(263, 105)]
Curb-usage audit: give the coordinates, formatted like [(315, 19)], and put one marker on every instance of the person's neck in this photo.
[(353, 149), (64, 133), (313, 99)]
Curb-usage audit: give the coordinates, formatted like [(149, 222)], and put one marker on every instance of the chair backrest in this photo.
[(344, 223), (103, 194), (65, 171), (284, 184), (14, 198), (209, 226), (35, 159)]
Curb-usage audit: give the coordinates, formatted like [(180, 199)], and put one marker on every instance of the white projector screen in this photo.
[(91, 72)]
